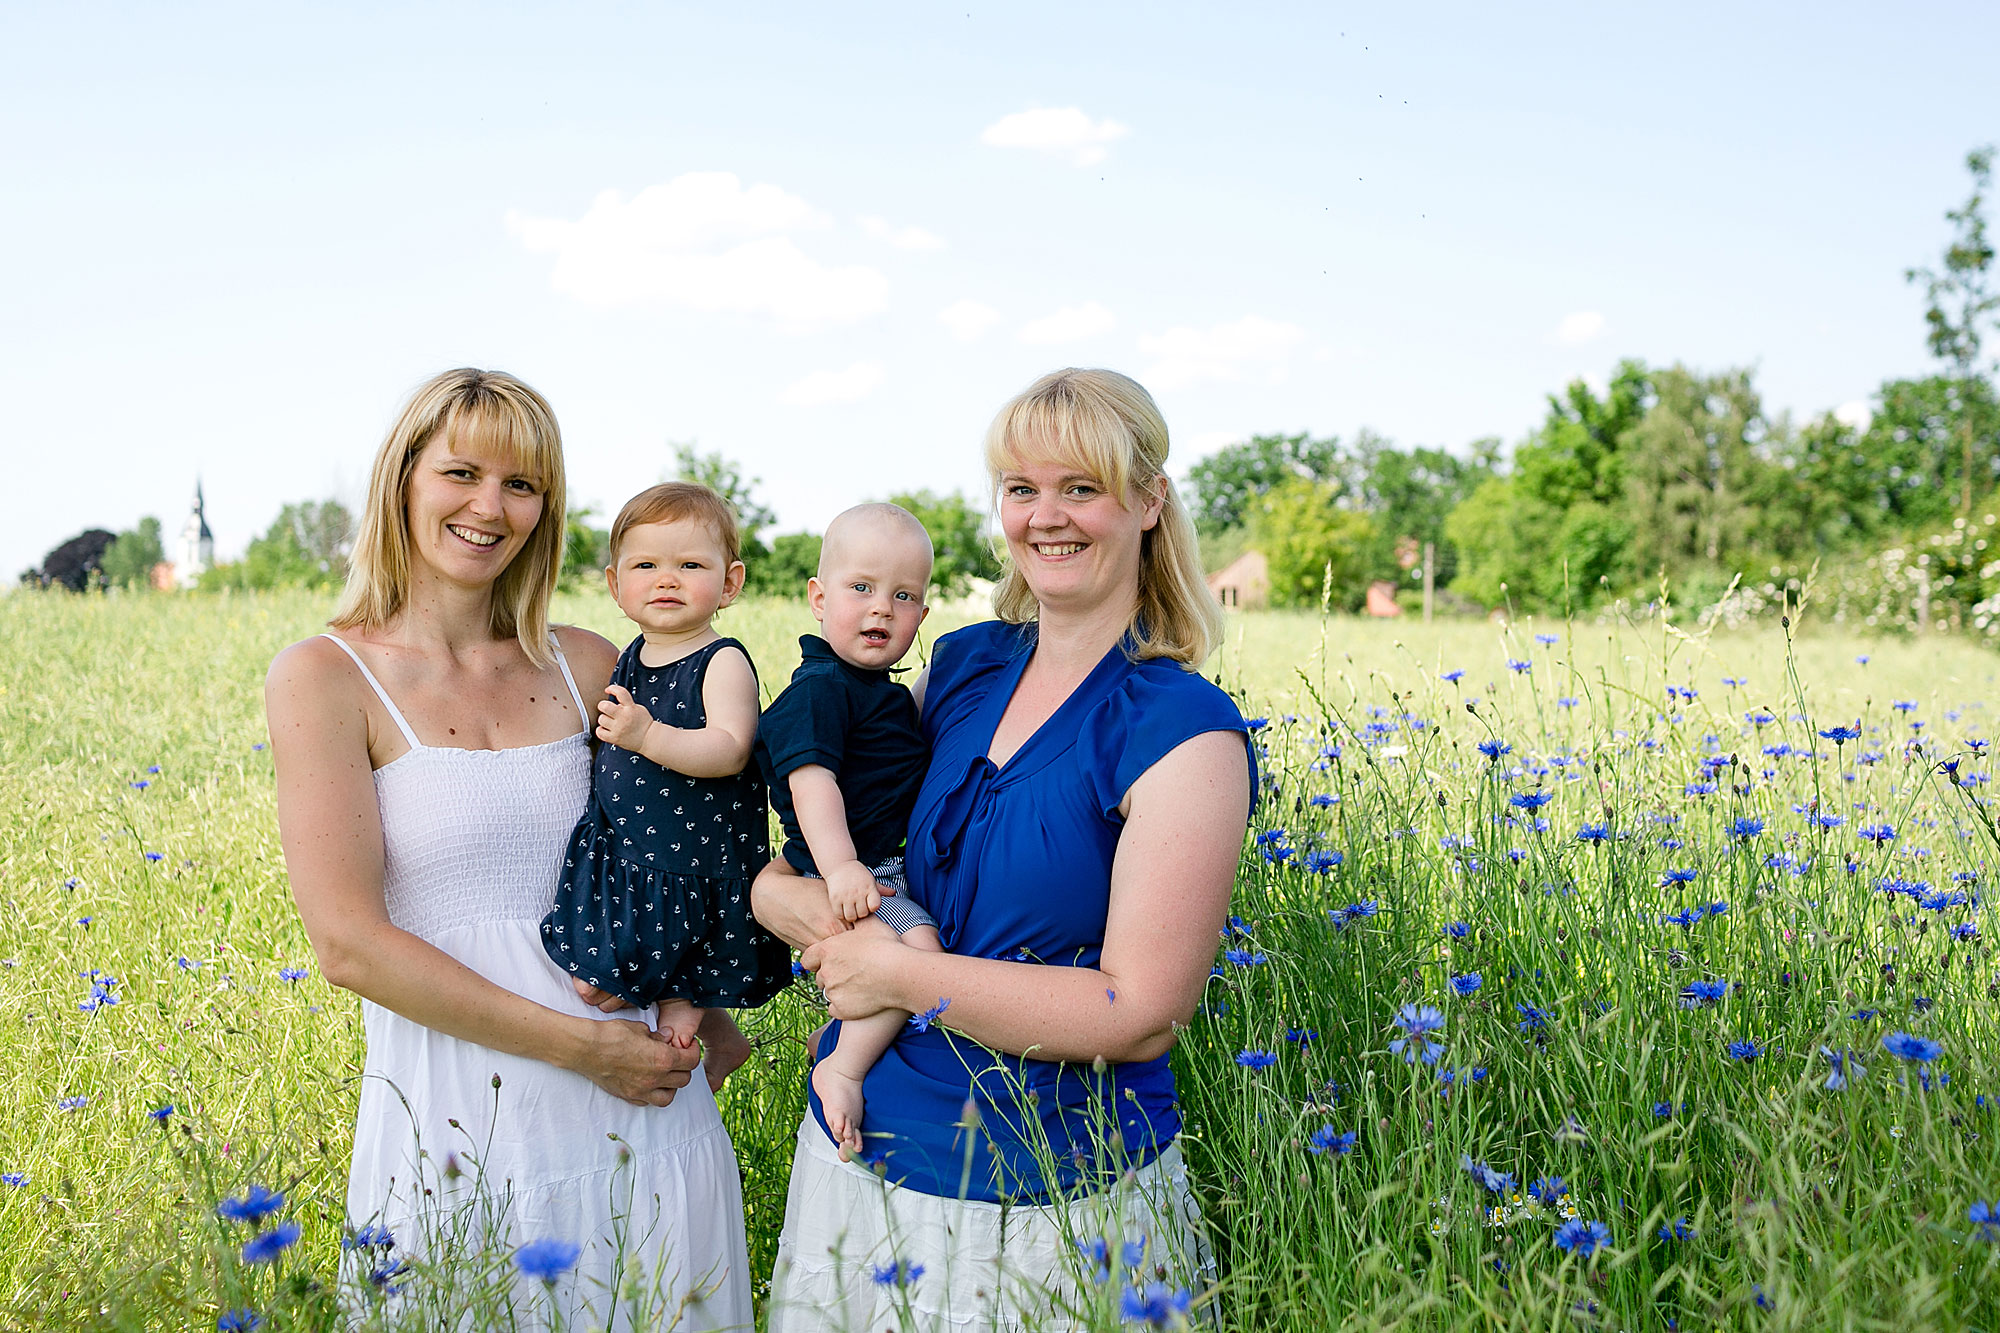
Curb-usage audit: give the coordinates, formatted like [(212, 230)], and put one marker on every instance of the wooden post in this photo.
[(1430, 572)]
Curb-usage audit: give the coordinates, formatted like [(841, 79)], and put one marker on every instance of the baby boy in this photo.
[(842, 754)]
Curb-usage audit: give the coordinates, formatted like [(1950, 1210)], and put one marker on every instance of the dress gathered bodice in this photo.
[(469, 836)]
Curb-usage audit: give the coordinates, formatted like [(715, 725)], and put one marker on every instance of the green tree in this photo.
[(1501, 536), (792, 559), (1310, 543), (306, 546), (128, 562), (1963, 301), (1408, 493), (958, 537), (586, 548), (1576, 453), (1230, 479), (1692, 469)]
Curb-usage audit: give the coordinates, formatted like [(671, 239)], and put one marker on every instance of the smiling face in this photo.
[(1077, 545), (869, 594), (470, 510), (672, 577)]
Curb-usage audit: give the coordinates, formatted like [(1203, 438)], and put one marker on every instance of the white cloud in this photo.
[(1063, 131), (968, 319), (903, 238), (829, 388), (1579, 327), (1069, 324), (1183, 356), (703, 242), (1856, 414)]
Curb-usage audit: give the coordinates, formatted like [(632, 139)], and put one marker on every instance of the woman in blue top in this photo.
[(1076, 838)]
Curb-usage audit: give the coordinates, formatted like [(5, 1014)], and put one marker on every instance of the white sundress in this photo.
[(473, 843)]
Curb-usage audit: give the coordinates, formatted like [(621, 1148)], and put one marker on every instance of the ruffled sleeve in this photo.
[(1159, 706)]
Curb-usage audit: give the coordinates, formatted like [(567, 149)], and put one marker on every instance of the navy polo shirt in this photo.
[(859, 725)]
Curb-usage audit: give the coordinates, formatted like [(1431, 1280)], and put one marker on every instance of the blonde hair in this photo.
[(514, 421), (674, 501), (1108, 425)]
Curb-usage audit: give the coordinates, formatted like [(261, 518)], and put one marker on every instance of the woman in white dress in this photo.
[(432, 756)]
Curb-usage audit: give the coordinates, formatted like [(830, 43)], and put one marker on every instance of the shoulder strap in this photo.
[(582, 713), (395, 713)]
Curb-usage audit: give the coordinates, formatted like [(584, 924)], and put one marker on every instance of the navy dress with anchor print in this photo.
[(654, 902)]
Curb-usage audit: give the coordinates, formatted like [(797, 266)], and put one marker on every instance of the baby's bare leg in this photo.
[(837, 1078), (678, 1020)]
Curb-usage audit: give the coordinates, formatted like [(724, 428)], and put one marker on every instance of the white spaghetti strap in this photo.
[(569, 680), (394, 712)]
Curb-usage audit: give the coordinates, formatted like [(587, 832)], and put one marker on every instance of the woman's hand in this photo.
[(633, 1063), (858, 969), (792, 907)]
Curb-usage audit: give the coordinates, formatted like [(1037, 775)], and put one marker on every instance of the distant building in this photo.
[(1243, 582), (196, 552)]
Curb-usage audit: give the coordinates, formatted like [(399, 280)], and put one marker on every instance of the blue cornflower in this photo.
[(1566, 702), (1757, 1293), (1759, 718), (1878, 833), (1493, 748), (1863, 1015), (1417, 1023), (1530, 800), (293, 974), (1546, 639), (1745, 1050), (76, 1103), (1256, 723), (1689, 917), (1985, 1216), (162, 1113), (547, 1259), (156, 856), (1496, 1182), (1593, 833), (237, 1321), (1155, 1306), (1546, 1189), (1515, 664), (1245, 957), (1328, 1139), (1663, 1110), (896, 1273), (187, 964), (1965, 930), (1922, 1050), (1716, 909), (256, 1204), (1904, 705), (1696, 994), (1746, 827), (1320, 862), (1678, 1229), (1301, 1036), (1845, 1064), (1532, 1018), (1830, 821), (1322, 800), (1256, 1059), (922, 1022), (263, 1248), (1466, 984), (141, 784), (1698, 789), (1458, 930), (1453, 676), (1679, 875), (15, 1178), (1581, 1237), (371, 1237), (1366, 907)]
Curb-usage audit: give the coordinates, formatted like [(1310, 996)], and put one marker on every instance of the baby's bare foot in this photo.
[(841, 1098)]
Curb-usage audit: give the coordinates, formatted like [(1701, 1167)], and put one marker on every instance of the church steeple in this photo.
[(197, 545)]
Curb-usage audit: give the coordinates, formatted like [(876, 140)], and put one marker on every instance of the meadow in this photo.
[(1581, 975)]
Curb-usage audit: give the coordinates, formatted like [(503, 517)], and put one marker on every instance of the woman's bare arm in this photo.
[(1170, 886), (331, 831)]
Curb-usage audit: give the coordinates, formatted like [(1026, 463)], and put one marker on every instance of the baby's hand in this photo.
[(853, 890), (621, 721)]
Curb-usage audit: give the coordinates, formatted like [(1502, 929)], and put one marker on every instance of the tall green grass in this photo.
[(1841, 1209)]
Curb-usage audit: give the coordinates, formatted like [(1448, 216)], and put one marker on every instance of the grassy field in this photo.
[(1639, 983)]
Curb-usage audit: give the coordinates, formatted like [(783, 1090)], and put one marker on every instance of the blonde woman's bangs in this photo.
[(496, 425), (1081, 434)]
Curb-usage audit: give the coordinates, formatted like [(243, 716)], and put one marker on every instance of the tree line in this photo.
[(1667, 471)]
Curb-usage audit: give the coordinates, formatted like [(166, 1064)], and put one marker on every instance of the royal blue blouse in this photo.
[(1015, 863)]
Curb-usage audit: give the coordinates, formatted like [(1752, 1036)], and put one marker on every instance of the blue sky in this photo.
[(829, 241)]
